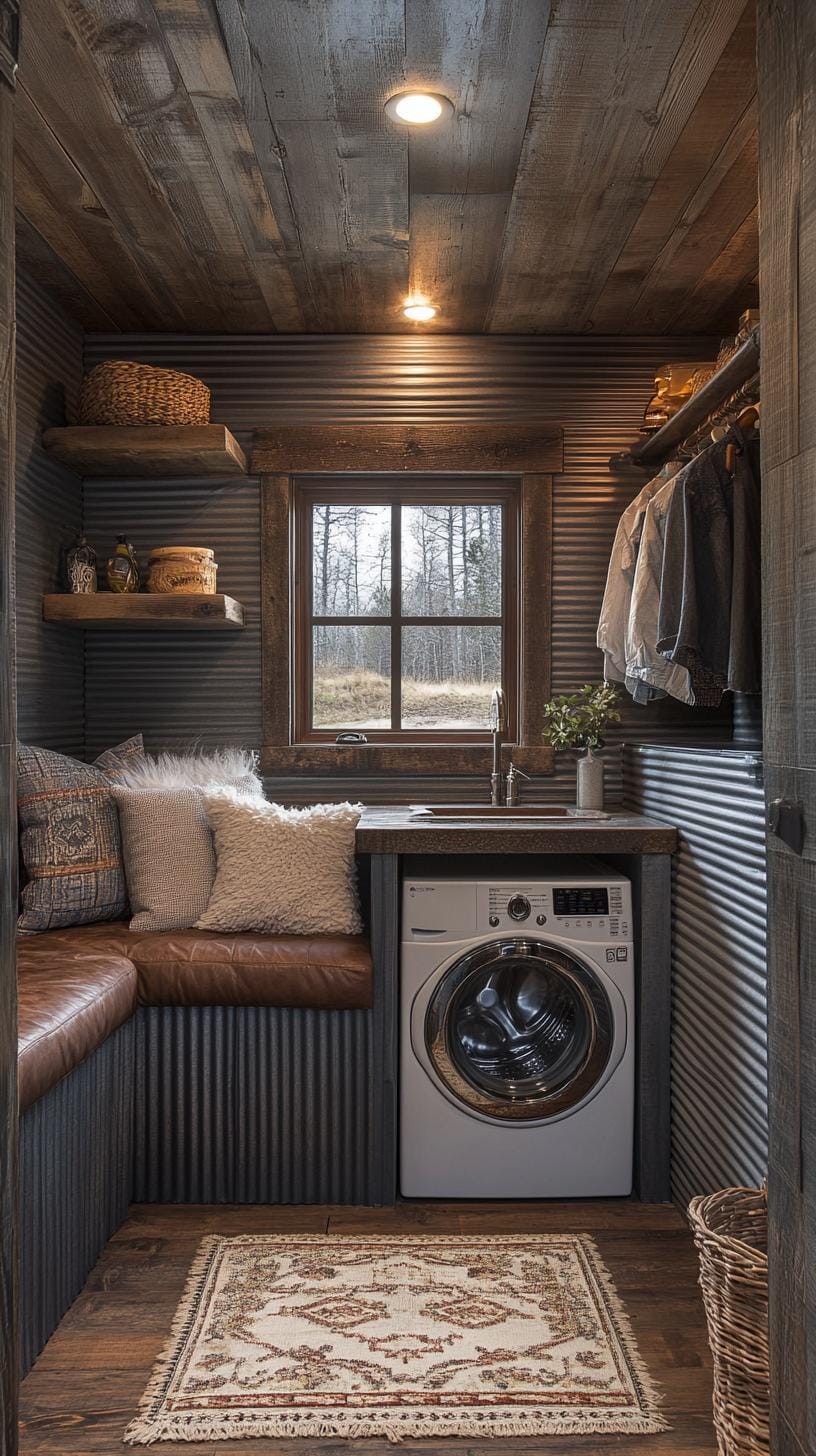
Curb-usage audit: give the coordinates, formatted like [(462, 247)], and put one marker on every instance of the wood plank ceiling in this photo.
[(227, 166)]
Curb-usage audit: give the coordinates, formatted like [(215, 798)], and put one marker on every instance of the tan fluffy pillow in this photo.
[(283, 870)]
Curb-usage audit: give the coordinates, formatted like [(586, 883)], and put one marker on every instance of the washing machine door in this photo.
[(520, 1030)]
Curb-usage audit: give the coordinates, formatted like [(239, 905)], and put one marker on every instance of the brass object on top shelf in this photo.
[(674, 385), (123, 568)]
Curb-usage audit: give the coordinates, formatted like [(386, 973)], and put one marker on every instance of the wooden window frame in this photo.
[(397, 491), (282, 456)]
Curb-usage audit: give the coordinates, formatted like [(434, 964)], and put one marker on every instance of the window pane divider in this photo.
[(406, 621), (396, 613)]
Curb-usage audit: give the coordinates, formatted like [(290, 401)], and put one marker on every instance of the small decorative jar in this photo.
[(182, 569), (590, 780), (79, 566), (123, 568)]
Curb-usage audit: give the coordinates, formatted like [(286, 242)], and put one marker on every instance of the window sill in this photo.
[(408, 758)]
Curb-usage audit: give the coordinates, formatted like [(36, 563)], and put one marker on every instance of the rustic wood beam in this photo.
[(392, 449)]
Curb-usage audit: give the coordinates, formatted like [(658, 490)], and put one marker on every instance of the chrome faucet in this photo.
[(498, 727)]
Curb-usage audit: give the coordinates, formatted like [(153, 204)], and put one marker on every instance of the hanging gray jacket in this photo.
[(710, 585)]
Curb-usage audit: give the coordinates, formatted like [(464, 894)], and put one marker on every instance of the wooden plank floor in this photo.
[(86, 1385)]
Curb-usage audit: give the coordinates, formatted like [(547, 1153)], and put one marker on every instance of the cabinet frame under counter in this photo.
[(631, 845)]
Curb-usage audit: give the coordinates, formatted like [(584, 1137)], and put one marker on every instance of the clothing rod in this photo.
[(694, 413)]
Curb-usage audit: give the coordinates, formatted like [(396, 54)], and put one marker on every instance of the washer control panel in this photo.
[(582, 910)]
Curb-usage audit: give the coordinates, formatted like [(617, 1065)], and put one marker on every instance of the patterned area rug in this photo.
[(397, 1337)]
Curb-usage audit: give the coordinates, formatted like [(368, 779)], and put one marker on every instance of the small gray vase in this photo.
[(590, 780)]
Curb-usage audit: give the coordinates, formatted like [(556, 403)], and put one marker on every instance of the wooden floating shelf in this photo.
[(169, 612), (147, 452)]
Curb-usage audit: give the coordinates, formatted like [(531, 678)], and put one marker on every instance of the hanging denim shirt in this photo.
[(648, 675), (620, 577)]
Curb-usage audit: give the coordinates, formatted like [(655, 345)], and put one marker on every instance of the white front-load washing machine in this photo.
[(517, 1036)]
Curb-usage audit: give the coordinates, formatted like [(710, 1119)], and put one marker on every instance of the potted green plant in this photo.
[(578, 721)]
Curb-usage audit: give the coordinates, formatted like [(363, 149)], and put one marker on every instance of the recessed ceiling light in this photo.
[(418, 108), (419, 309)]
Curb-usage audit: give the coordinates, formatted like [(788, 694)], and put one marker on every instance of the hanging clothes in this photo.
[(648, 674), (708, 620), (611, 636)]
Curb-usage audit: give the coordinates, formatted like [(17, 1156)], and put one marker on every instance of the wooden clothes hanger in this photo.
[(747, 419)]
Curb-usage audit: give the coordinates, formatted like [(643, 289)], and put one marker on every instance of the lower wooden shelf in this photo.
[(168, 612)]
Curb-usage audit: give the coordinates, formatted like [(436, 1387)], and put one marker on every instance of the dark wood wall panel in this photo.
[(8, 804), (49, 510), (178, 689), (787, 76)]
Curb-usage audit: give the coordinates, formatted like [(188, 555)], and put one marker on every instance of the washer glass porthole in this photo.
[(519, 1030)]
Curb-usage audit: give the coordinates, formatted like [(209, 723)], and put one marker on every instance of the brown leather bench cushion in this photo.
[(203, 968), (69, 1002)]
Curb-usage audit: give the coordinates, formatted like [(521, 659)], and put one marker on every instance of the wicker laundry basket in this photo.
[(731, 1233), (118, 392)]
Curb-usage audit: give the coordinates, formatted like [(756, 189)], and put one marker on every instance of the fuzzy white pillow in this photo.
[(283, 870), (232, 767)]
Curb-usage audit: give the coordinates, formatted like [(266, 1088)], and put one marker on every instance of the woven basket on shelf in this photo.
[(731, 1233), (119, 392)]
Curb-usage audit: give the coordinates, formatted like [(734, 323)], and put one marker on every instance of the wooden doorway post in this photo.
[(787, 160), (9, 33)]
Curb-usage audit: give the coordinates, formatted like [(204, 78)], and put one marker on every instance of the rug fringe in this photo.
[(651, 1394), (185, 1311), (145, 1433)]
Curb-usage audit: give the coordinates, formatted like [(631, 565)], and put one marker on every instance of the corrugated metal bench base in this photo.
[(76, 1160), (240, 1104)]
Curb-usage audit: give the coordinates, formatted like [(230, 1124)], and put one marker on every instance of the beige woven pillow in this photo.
[(168, 853), (283, 870)]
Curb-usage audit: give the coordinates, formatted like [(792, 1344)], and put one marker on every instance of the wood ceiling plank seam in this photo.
[(729, 284), (38, 259), (720, 206), (231, 17), (743, 135), (49, 190), (66, 90), (730, 90), (720, 29), (485, 58), (194, 38), (600, 85), (324, 72), (129, 51)]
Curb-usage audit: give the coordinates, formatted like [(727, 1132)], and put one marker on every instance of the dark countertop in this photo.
[(392, 831)]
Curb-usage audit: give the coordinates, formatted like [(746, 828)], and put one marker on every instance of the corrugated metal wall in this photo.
[(719, 976), (177, 688), (49, 510), (76, 1169)]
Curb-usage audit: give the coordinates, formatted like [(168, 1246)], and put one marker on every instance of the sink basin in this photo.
[(501, 811)]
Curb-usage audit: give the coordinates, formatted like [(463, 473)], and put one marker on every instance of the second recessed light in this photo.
[(418, 108)]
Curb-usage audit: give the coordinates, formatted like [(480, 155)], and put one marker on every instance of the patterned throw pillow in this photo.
[(169, 856), (283, 870), (69, 837)]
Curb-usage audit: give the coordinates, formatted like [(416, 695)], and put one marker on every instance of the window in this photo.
[(404, 608)]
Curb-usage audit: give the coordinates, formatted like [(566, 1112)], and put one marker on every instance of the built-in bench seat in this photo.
[(76, 986), (185, 1066)]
